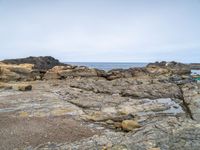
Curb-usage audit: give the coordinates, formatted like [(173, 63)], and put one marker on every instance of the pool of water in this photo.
[(198, 79), (171, 107), (195, 72)]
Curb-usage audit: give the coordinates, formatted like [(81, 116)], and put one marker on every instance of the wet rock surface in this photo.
[(152, 108)]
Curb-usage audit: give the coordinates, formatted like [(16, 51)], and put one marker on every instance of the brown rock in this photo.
[(23, 87), (62, 72), (5, 86), (40, 63), (117, 125), (130, 125), (155, 148), (153, 91), (118, 73), (10, 72), (168, 67)]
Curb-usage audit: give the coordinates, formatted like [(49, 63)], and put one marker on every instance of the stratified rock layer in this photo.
[(19, 72), (70, 107), (40, 63)]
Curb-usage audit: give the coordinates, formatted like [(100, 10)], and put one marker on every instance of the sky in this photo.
[(101, 30)]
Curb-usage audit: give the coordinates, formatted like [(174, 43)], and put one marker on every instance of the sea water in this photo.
[(108, 65), (195, 72)]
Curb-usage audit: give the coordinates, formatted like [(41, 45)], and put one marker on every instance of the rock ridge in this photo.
[(45, 104)]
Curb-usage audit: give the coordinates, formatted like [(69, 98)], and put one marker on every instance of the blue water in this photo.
[(195, 72), (107, 65)]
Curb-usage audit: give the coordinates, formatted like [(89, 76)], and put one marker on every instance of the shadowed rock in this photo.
[(40, 63)]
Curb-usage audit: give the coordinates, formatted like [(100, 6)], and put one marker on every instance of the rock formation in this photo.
[(72, 107), (9, 72), (169, 67), (195, 66), (40, 63)]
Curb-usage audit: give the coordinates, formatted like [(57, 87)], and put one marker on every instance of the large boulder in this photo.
[(153, 69), (54, 73)]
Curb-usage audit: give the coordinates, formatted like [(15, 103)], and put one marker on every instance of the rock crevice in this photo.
[(156, 107)]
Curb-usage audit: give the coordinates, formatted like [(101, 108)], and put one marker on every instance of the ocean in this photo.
[(108, 65), (195, 72)]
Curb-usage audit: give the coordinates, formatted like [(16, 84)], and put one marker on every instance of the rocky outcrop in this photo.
[(135, 88), (153, 91), (167, 134), (25, 69), (163, 67), (191, 96), (125, 73), (68, 71), (151, 108), (195, 66), (19, 72), (153, 69), (50, 68), (40, 63)]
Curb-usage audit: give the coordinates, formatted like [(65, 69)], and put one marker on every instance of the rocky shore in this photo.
[(195, 66), (45, 104)]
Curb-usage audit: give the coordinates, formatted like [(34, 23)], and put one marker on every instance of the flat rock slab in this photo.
[(19, 132)]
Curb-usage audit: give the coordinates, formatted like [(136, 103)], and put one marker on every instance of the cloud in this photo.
[(101, 30)]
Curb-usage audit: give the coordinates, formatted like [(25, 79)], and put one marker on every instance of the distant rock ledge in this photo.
[(39, 68), (195, 66), (40, 63)]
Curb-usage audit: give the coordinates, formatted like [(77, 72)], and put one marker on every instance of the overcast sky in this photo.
[(101, 30)]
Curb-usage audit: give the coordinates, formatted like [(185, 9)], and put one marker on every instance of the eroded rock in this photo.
[(151, 102), (16, 72), (40, 63), (130, 125), (191, 96), (168, 68), (22, 87)]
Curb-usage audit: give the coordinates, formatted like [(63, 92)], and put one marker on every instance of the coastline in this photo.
[(76, 107)]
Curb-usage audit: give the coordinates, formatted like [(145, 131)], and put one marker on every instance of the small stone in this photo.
[(118, 125), (60, 111), (119, 147), (110, 122), (5, 86), (130, 125), (23, 114), (23, 87), (155, 148)]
